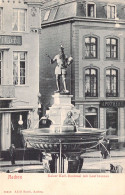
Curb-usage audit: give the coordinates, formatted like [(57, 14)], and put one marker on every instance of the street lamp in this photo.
[(20, 122)]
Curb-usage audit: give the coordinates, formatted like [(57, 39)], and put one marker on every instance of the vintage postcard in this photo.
[(62, 97)]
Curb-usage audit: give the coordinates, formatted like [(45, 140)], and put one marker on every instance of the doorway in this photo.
[(91, 115), (16, 136), (112, 121)]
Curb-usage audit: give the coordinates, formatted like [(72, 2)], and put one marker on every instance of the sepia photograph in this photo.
[(62, 93)]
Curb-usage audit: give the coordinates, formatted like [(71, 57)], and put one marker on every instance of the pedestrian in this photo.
[(104, 151), (108, 146), (119, 169), (112, 168), (81, 160), (12, 154), (40, 156)]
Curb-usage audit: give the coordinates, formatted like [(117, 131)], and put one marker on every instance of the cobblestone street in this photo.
[(93, 162)]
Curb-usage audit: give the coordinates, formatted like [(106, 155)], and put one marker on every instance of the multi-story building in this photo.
[(19, 69), (93, 32)]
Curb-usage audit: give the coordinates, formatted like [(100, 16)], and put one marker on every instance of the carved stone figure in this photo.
[(60, 71)]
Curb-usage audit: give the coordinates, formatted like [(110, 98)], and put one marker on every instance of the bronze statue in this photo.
[(62, 62)]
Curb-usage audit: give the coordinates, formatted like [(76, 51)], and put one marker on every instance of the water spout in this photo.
[(87, 121)]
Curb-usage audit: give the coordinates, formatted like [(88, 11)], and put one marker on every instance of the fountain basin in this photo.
[(49, 141), (63, 148)]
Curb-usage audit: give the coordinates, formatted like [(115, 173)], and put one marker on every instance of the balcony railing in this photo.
[(7, 91)]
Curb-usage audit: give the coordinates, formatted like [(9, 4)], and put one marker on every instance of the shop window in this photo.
[(19, 20), (91, 82), (111, 11), (112, 121), (46, 16), (91, 117), (111, 48), (19, 68), (90, 47), (1, 60), (111, 83), (1, 17), (91, 10)]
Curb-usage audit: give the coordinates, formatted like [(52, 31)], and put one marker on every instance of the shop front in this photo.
[(11, 124), (108, 115), (114, 119)]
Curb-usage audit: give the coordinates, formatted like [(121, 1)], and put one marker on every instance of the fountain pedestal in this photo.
[(58, 113), (64, 142)]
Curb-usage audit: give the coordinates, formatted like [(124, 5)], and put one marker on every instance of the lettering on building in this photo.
[(112, 104), (10, 40)]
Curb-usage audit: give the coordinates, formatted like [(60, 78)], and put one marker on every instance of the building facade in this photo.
[(93, 33), (19, 69)]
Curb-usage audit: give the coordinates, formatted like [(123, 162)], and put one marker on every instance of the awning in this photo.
[(5, 48), (17, 109)]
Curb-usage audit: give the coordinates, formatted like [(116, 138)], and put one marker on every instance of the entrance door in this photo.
[(16, 137), (112, 121), (91, 118)]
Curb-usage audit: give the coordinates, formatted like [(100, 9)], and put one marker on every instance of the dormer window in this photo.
[(111, 11), (91, 10), (46, 16)]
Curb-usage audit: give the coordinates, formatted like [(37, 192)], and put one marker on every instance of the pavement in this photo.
[(97, 154), (92, 161)]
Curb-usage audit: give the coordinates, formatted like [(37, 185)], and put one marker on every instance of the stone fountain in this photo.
[(64, 141)]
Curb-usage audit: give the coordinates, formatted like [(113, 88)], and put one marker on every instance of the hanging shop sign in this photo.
[(117, 104), (10, 40)]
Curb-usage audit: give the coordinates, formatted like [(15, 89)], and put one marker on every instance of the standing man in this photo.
[(60, 70), (12, 154)]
